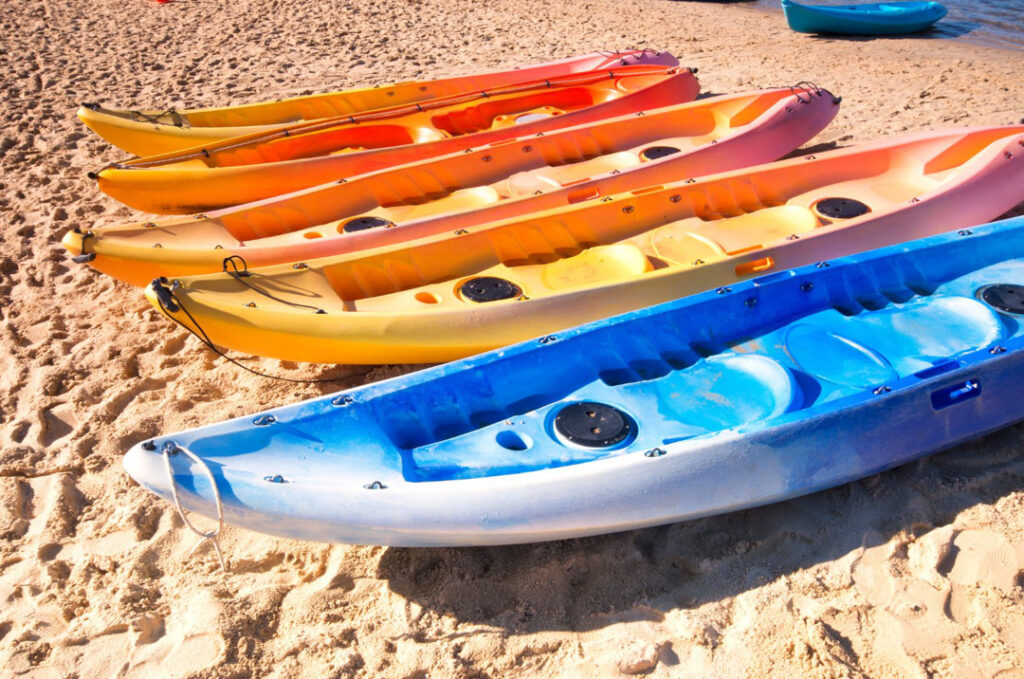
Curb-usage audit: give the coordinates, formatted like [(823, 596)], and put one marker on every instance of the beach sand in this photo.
[(915, 572)]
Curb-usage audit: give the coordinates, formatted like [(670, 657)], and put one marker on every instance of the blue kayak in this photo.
[(884, 18), (773, 388)]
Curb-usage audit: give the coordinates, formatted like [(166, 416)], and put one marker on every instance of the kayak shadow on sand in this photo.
[(591, 583)]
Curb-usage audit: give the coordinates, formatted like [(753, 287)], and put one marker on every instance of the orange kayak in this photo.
[(148, 132), (244, 169), (495, 182)]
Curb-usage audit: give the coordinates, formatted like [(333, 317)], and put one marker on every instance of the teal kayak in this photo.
[(884, 18)]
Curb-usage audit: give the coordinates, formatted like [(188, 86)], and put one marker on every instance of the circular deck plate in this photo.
[(593, 425), (655, 152), (489, 289), (1005, 297), (841, 208), (364, 223)]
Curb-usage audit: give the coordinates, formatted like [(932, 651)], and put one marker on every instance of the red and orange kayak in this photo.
[(153, 131)]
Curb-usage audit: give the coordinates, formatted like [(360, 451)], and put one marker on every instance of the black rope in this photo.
[(84, 257), (239, 274), (804, 85), (141, 117), (170, 304)]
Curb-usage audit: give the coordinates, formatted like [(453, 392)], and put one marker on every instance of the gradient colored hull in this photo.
[(769, 390)]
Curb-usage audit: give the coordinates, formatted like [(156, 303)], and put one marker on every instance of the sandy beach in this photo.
[(918, 572)]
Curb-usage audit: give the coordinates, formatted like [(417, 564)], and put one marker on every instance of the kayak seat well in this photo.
[(596, 265), (864, 351), (714, 394), (689, 240), (482, 116), (318, 143)]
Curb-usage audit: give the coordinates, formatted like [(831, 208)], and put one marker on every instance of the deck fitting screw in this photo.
[(250, 305), (792, 236), (750, 302), (627, 209), (548, 339), (300, 265), (149, 225), (675, 198), (689, 180), (1008, 155), (527, 148), (264, 420), (276, 478), (722, 291), (655, 452), (607, 199), (997, 349), (812, 157), (148, 445), (342, 400), (807, 286), (487, 159), (964, 232), (822, 265), (461, 232), (376, 485), (342, 181), (882, 390), (698, 262)]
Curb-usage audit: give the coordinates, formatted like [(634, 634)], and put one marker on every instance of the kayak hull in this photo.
[(471, 453), (890, 18)]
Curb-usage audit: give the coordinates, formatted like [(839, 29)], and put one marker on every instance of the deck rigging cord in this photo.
[(170, 304)]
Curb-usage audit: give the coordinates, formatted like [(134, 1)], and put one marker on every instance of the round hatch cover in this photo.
[(655, 152), (489, 289), (1004, 297), (593, 425), (841, 208), (364, 223)]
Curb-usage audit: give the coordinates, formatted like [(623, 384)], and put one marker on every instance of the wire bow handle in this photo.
[(170, 448), (807, 87)]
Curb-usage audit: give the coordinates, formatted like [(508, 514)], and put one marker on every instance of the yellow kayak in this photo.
[(451, 295), (243, 169), (149, 132), (443, 194)]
